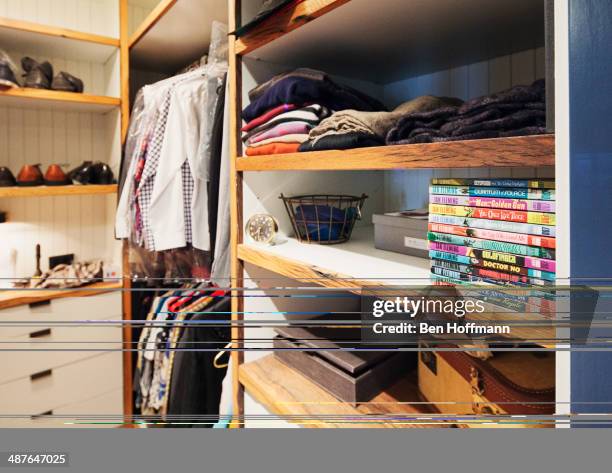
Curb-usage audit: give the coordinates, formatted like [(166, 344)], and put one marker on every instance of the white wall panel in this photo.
[(91, 16)]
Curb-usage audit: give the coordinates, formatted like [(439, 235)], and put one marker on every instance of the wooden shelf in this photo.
[(352, 265), (286, 392), (358, 265), (52, 41), (46, 191), (284, 22), (182, 29), (42, 98), (520, 151), (16, 297)]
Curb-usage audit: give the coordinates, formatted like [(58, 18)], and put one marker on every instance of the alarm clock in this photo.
[(262, 228)]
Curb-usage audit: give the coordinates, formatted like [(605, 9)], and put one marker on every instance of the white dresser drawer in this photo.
[(103, 411), (66, 385), (77, 341), (69, 309)]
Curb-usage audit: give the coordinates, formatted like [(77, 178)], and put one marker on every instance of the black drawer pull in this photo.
[(42, 414), (39, 303), (41, 333), (41, 374)]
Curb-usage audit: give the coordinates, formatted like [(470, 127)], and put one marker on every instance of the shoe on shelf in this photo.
[(82, 174), (55, 176), (67, 83), (102, 174), (37, 75), (30, 175), (8, 78), (6, 177)]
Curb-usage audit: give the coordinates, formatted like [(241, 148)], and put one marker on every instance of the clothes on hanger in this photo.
[(169, 166), (157, 343), (196, 382)]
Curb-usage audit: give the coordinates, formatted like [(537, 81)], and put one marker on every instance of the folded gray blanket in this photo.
[(376, 123), (517, 111)]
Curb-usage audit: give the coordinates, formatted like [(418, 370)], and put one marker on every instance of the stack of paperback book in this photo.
[(499, 231)]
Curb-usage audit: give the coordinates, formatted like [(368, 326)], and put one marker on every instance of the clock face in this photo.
[(262, 228)]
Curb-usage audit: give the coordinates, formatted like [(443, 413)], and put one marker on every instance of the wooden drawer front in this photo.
[(20, 364), (108, 404), (99, 307), (62, 386)]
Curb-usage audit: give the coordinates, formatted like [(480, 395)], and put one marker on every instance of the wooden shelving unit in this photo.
[(399, 45), (286, 392), (48, 191), (16, 297), (50, 40), (42, 98), (284, 22), (497, 152)]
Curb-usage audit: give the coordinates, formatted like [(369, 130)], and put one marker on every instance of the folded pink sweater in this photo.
[(282, 129)]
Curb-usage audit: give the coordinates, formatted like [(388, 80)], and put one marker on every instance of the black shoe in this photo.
[(82, 174), (102, 174), (37, 75), (6, 177), (7, 74), (67, 83)]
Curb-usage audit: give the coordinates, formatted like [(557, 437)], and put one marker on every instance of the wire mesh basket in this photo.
[(324, 218)]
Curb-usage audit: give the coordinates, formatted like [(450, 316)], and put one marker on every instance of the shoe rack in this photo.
[(47, 127), (404, 60), (87, 38)]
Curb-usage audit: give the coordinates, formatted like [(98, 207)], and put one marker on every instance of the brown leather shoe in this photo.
[(55, 176), (30, 175), (6, 177)]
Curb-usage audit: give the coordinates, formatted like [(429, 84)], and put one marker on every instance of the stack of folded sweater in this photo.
[(518, 111), (284, 109), (357, 129)]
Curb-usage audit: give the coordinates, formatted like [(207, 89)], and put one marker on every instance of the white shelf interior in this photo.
[(357, 259), (183, 34)]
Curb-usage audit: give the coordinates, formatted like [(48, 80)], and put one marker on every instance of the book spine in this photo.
[(488, 273), (513, 227), (477, 278), (493, 214), (496, 192), (516, 260), (505, 300), (495, 266), (492, 245), (494, 203), (520, 183), (519, 238)]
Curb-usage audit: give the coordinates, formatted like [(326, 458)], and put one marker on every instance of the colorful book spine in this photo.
[(492, 245), (494, 203), (513, 227), (489, 274), (496, 192), (475, 278), (494, 214), (520, 183), (477, 254), (503, 300), (496, 266), (519, 238)]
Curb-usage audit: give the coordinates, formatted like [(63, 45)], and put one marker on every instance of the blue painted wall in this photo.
[(590, 75)]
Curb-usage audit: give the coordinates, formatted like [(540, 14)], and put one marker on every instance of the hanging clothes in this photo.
[(197, 380), (171, 160)]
